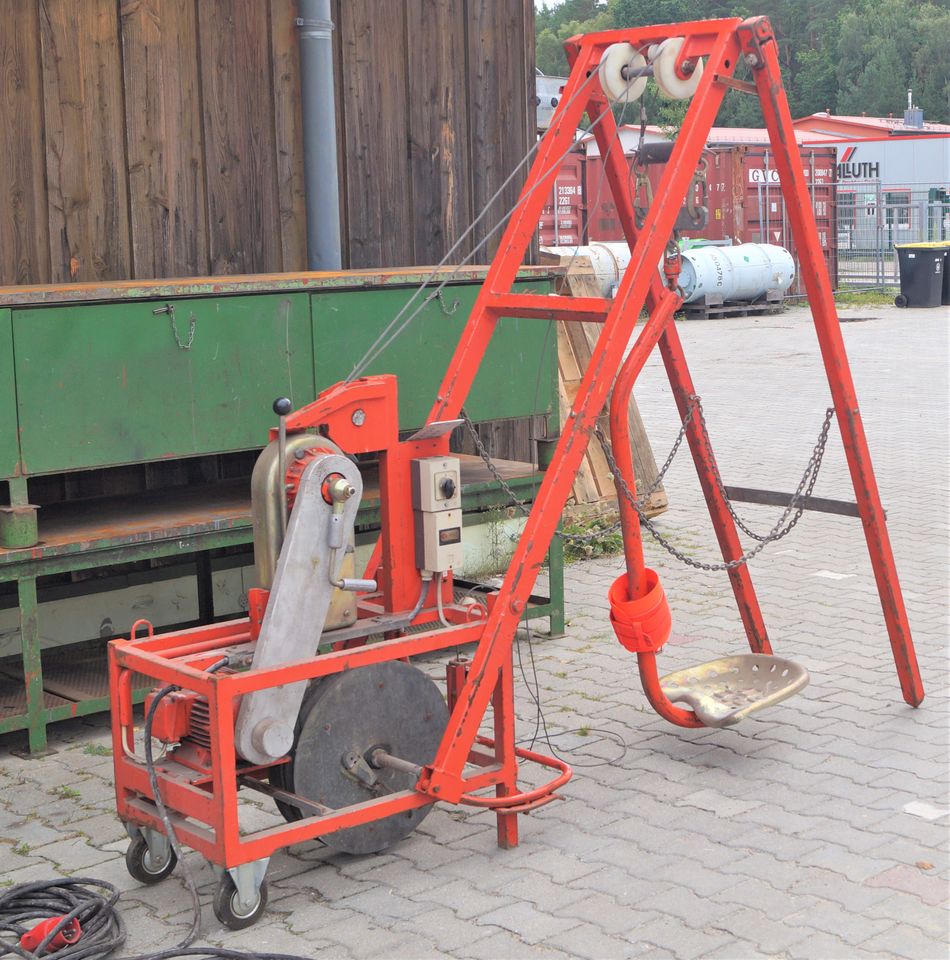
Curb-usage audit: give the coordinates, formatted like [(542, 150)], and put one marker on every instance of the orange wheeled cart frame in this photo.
[(200, 778)]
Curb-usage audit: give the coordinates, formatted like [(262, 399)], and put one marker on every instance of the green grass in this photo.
[(97, 750), (867, 298), (603, 543), (67, 793), (21, 849)]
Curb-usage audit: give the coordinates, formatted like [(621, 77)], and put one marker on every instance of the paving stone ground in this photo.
[(818, 830)]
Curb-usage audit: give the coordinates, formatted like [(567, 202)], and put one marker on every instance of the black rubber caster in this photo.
[(228, 909), (144, 866), (900, 300)]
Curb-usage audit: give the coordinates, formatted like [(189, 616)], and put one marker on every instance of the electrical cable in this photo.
[(439, 578), (103, 930), (541, 720)]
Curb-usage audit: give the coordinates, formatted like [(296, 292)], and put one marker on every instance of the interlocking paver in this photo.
[(789, 835)]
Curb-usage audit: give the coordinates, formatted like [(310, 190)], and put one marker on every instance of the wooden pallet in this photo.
[(708, 307)]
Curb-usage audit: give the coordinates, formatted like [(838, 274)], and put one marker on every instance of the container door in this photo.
[(563, 217)]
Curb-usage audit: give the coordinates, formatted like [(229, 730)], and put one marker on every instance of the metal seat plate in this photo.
[(723, 692)]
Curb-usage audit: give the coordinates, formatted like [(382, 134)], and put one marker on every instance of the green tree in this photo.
[(847, 56)]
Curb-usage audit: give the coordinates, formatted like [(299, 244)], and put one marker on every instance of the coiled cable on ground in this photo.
[(93, 903)]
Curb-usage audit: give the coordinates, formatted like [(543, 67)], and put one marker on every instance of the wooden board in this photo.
[(157, 138), (24, 232), (498, 110), (85, 140), (285, 53), (438, 128), (166, 166), (594, 485), (236, 82), (374, 98)]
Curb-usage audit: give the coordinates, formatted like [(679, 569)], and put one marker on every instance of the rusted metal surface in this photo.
[(723, 692), (250, 283)]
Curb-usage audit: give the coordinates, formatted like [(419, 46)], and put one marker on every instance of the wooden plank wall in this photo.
[(159, 138)]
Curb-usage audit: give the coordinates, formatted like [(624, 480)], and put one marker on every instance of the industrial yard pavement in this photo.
[(817, 830)]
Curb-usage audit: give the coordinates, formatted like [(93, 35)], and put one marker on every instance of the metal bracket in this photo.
[(156, 841), (742, 86), (248, 878)]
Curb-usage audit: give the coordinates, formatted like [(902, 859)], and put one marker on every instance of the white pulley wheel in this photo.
[(664, 71), (617, 59)]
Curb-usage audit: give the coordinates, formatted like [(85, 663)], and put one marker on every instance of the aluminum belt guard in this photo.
[(309, 564)]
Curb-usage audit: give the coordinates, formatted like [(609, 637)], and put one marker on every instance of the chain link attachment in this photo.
[(440, 297), (785, 524), (169, 308)]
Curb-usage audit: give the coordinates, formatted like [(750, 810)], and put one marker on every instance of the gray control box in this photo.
[(437, 504)]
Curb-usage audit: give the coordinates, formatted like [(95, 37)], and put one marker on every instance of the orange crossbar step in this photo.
[(547, 307)]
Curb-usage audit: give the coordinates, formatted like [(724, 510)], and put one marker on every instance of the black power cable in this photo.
[(75, 899)]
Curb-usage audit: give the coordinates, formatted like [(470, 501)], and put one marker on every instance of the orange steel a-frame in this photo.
[(204, 805)]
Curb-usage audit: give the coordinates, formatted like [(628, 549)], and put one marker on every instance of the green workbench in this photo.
[(94, 377)]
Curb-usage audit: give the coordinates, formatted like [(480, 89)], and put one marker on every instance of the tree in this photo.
[(846, 56)]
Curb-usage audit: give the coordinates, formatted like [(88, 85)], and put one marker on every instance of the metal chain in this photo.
[(795, 507), (785, 524), (169, 308), (440, 296), (601, 532)]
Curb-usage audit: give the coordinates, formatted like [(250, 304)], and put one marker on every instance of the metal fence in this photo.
[(872, 217)]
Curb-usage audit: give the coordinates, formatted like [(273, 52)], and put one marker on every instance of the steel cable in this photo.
[(390, 332)]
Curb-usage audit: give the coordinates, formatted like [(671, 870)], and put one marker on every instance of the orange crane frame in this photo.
[(203, 805)]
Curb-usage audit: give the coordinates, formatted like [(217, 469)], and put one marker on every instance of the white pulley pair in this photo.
[(621, 63)]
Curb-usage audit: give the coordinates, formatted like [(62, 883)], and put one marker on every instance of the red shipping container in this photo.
[(562, 221), (743, 197)]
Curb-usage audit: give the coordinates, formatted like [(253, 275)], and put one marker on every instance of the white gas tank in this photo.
[(742, 272)]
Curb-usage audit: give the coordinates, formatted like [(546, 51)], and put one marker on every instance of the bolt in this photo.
[(359, 417), (751, 59)]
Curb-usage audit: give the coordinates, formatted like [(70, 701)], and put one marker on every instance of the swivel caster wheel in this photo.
[(149, 865), (229, 908)]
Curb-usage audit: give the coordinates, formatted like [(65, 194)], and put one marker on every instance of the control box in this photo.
[(437, 505)]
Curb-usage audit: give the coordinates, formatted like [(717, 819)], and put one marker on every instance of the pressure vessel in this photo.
[(742, 272)]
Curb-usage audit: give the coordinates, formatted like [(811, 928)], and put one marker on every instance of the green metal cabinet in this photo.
[(98, 376), (9, 453), (518, 375), (103, 384)]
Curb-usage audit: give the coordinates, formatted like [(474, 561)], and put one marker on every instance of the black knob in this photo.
[(283, 406), (447, 486)]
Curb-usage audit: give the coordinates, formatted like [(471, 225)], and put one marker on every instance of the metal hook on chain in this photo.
[(169, 308), (448, 311)]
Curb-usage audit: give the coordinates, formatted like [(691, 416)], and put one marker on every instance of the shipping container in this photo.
[(739, 186), (563, 219)]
